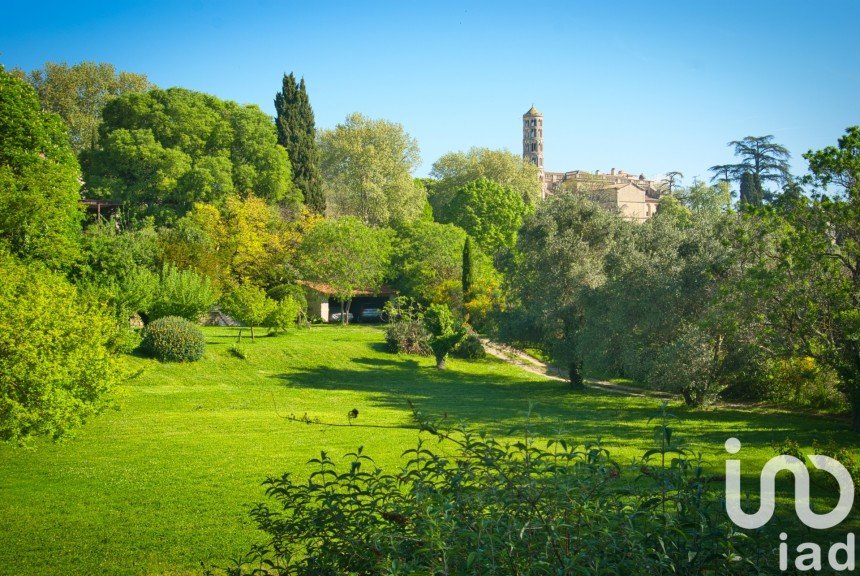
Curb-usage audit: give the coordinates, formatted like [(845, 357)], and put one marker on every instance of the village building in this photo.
[(364, 306), (634, 197)]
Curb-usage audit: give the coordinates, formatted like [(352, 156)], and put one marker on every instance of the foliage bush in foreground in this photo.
[(475, 505), (173, 339), (55, 361)]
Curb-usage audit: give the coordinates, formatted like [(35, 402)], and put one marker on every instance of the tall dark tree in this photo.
[(672, 180), (751, 189), (722, 172), (760, 156), (468, 268), (297, 133)]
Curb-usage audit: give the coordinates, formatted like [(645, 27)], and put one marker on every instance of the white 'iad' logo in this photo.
[(801, 490)]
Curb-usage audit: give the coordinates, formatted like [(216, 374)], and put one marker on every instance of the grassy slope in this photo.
[(166, 480)]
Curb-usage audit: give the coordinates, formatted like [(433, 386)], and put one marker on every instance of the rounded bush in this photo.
[(173, 339), (470, 348)]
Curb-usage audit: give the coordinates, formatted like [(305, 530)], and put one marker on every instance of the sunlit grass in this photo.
[(165, 480)]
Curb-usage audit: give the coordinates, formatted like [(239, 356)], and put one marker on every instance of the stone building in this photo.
[(635, 197)]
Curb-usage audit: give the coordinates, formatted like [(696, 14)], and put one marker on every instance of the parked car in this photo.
[(371, 315), (338, 317)]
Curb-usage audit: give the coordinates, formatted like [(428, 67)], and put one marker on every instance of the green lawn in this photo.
[(165, 480)]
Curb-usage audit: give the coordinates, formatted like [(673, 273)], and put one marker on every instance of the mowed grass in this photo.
[(165, 480)]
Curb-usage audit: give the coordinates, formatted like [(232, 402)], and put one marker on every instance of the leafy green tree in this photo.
[(567, 241), (445, 332), (285, 315), (55, 365), (163, 150), (182, 293), (457, 169), (489, 212), (347, 255), (297, 133), (426, 262), (366, 166), (40, 212), (79, 93), (815, 286), (249, 305), (703, 199), (109, 252), (672, 313), (427, 265)]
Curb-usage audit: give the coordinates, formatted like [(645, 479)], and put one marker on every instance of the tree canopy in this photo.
[(40, 212), (163, 150), (491, 213), (457, 169), (80, 92), (567, 241), (366, 167)]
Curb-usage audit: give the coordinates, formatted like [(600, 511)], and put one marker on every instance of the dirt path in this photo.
[(531, 364)]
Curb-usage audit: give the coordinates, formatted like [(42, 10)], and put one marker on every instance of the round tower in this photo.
[(533, 138)]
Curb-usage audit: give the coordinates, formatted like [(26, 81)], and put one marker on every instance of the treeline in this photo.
[(221, 204), (759, 303)]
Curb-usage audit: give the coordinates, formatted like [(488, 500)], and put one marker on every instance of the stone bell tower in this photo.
[(533, 142), (533, 137)]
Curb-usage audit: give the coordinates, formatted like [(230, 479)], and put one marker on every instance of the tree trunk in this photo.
[(574, 369), (688, 397), (854, 398), (345, 305), (440, 362)]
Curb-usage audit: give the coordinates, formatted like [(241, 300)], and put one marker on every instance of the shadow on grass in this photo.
[(502, 403)]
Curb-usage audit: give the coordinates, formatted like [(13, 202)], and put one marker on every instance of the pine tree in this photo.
[(468, 269), (297, 133)]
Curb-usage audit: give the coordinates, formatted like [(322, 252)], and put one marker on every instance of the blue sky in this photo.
[(647, 87)]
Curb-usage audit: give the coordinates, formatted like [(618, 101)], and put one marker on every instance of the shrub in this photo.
[(183, 293), (173, 339), (293, 291), (284, 316), (480, 506), (55, 360), (406, 332), (445, 332), (470, 348)]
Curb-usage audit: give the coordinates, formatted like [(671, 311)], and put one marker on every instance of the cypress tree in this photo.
[(297, 133), (751, 189), (468, 269)]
